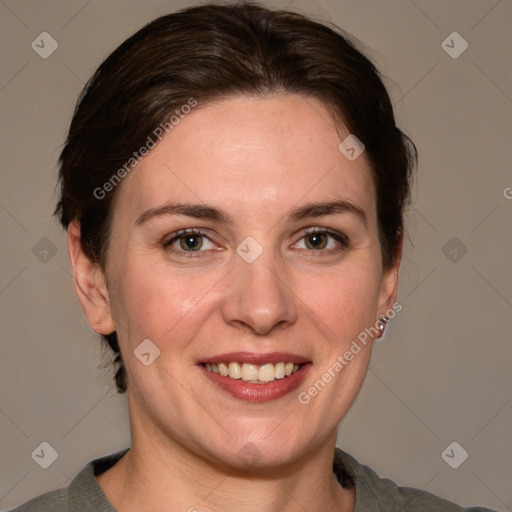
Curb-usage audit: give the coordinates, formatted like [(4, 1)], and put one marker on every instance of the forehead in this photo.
[(251, 154)]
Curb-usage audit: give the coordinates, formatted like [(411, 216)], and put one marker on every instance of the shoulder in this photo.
[(53, 501), (376, 493), (83, 493)]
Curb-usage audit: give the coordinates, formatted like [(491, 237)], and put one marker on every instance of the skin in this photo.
[(256, 159)]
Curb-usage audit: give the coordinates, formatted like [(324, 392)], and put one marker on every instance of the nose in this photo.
[(259, 296)]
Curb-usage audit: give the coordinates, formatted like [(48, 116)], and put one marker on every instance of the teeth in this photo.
[(280, 371), (223, 369), (252, 372), (235, 372), (249, 371), (267, 373)]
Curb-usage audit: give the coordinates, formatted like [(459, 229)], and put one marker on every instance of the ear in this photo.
[(389, 285), (90, 284)]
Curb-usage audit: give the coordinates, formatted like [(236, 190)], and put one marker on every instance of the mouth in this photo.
[(256, 377), (252, 373)]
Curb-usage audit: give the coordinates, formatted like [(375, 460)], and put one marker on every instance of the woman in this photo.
[(233, 187)]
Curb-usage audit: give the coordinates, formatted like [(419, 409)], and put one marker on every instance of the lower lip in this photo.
[(259, 392)]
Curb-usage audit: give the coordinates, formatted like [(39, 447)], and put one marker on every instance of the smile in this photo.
[(252, 373), (256, 377)]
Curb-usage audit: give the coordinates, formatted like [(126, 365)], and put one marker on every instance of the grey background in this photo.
[(441, 374)]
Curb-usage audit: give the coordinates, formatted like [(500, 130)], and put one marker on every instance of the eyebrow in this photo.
[(199, 211), (202, 211), (328, 208)]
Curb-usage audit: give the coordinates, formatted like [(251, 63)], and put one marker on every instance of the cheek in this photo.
[(343, 305), (150, 303), (345, 301)]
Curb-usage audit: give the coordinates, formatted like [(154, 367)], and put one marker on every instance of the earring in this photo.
[(383, 321)]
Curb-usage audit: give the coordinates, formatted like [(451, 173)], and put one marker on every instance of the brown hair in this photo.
[(204, 53)]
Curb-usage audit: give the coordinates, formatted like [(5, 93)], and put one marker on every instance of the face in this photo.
[(246, 237)]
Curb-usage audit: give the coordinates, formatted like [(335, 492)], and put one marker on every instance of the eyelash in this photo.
[(339, 237)]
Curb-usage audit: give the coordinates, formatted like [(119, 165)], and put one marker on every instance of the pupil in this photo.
[(316, 240), (191, 242)]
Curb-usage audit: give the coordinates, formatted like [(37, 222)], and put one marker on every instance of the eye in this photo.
[(320, 239), (188, 241)]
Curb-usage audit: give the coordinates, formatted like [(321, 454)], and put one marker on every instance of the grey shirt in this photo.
[(373, 494)]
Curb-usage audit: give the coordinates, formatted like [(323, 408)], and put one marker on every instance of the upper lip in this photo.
[(255, 358)]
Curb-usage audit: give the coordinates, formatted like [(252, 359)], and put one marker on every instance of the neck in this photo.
[(158, 470)]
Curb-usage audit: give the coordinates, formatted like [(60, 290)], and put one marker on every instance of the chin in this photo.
[(263, 452)]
